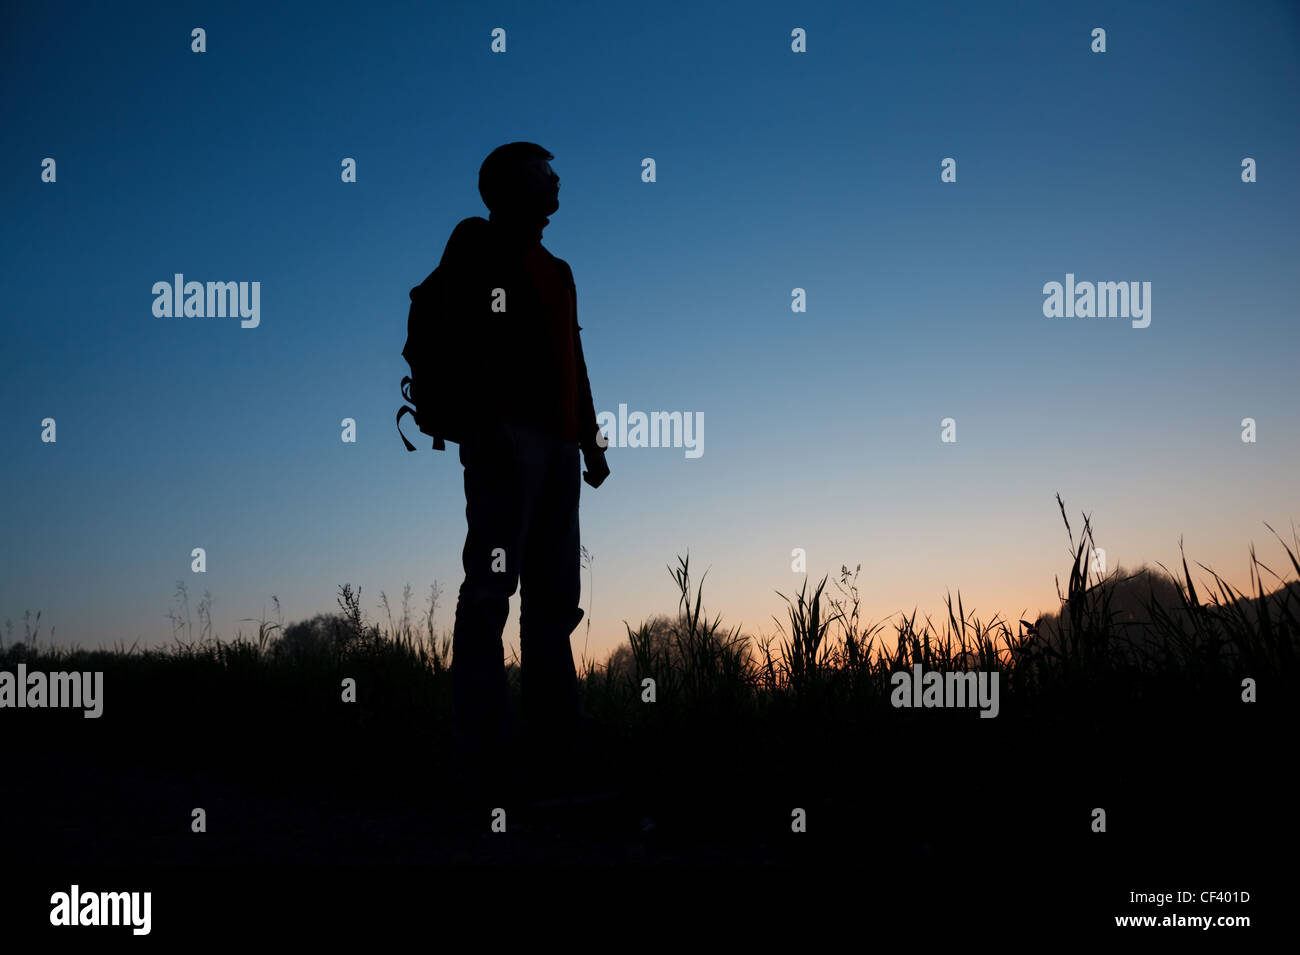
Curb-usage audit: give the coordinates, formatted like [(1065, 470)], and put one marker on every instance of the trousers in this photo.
[(521, 507)]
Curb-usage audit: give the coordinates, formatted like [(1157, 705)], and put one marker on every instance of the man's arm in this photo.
[(588, 428), (592, 452)]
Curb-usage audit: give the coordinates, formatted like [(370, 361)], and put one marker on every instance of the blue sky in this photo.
[(775, 170)]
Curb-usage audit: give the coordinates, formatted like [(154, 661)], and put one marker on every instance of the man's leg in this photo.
[(500, 488), (551, 591)]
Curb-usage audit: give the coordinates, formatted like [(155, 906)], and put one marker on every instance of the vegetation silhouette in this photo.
[(1133, 706)]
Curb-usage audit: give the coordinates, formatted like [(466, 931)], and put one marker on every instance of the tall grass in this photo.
[(825, 661)]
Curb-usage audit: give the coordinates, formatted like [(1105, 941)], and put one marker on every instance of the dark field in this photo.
[(931, 809)]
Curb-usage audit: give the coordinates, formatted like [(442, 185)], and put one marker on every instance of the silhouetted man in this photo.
[(530, 402)]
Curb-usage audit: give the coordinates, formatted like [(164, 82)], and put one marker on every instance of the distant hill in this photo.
[(1136, 601)]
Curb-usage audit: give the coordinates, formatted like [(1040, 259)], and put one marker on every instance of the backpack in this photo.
[(433, 390), (446, 338), (442, 345)]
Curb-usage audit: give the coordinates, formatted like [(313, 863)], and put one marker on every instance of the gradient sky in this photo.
[(775, 170)]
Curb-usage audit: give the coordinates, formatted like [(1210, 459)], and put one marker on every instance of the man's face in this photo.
[(541, 186)]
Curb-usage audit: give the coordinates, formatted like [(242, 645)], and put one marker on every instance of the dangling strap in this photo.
[(438, 443), (404, 410)]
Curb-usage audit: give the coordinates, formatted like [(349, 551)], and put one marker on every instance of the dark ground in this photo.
[(936, 814)]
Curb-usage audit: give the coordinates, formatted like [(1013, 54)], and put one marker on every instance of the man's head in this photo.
[(517, 180)]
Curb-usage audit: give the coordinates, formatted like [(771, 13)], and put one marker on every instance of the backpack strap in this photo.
[(438, 443), (404, 411)]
